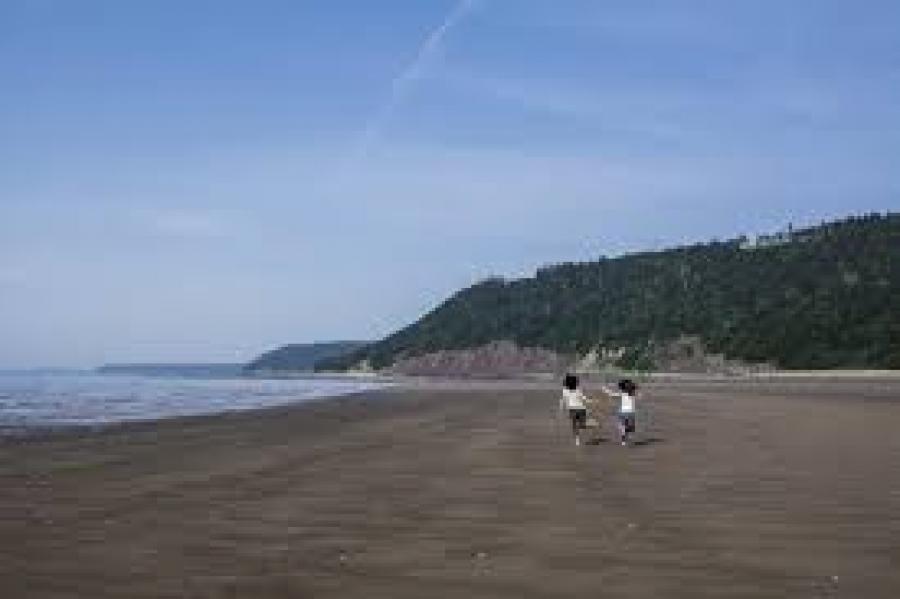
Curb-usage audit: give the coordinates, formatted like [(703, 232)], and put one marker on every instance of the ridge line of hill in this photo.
[(822, 297)]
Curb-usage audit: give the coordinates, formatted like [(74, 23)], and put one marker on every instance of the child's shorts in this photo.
[(579, 418), (626, 419)]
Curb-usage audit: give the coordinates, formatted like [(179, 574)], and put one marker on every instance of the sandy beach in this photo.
[(751, 489)]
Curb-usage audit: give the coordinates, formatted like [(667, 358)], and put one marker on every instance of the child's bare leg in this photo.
[(575, 433)]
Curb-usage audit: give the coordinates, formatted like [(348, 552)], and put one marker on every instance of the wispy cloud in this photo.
[(757, 105), (404, 82), (630, 111)]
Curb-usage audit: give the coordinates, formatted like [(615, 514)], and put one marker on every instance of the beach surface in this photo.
[(734, 489)]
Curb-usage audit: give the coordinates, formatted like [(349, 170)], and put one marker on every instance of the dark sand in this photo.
[(739, 490)]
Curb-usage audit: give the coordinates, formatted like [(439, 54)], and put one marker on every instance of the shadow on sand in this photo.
[(648, 441), (636, 443)]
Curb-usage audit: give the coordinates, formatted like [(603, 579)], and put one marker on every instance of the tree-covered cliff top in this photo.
[(821, 297)]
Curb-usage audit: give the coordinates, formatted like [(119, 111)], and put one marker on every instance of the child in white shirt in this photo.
[(625, 421), (575, 402)]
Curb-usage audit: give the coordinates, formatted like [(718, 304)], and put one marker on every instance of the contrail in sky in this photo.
[(404, 82)]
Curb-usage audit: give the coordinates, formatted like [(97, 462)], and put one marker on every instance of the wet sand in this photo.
[(778, 489)]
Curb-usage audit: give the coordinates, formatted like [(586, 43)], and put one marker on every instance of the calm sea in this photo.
[(30, 399)]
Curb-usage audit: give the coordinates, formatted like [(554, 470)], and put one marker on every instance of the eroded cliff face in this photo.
[(498, 358), (687, 354)]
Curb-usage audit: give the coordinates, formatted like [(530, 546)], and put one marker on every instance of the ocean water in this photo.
[(29, 400)]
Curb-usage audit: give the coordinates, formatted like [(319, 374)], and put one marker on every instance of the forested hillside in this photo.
[(300, 357), (823, 297)]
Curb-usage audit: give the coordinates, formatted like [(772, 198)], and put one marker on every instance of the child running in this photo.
[(625, 414), (574, 401)]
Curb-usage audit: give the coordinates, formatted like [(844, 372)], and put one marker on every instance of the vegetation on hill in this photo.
[(301, 357), (823, 297)]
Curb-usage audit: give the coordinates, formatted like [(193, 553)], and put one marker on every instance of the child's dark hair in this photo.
[(627, 386), (570, 382)]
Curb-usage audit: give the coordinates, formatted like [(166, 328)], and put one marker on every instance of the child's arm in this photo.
[(599, 402), (610, 395)]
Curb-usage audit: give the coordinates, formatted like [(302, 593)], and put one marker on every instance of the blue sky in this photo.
[(202, 180)]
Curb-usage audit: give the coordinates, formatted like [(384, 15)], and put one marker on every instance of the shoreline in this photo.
[(140, 425), (40, 405), (760, 383)]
